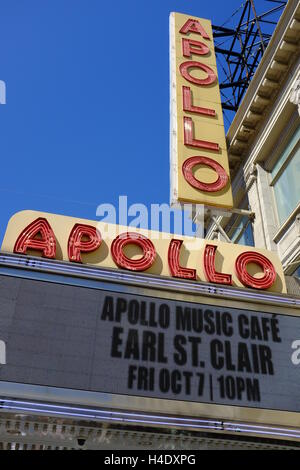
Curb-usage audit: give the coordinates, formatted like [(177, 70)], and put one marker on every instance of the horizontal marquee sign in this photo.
[(94, 340), (114, 246), (199, 160)]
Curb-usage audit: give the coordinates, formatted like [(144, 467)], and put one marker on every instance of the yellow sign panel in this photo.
[(199, 160), (115, 246)]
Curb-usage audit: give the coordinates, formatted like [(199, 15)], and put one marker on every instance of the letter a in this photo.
[(195, 27), (28, 239)]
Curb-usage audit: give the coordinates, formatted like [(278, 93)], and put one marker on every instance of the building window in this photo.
[(239, 227), (240, 230), (286, 177), (297, 272), (243, 234)]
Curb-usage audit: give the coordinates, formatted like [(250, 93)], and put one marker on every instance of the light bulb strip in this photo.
[(100, 274), (144, 418)]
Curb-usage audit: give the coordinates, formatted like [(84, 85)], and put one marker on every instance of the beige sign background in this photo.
[(205, 127), (191, 254)]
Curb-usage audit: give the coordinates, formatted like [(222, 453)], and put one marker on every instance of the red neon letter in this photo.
[(144, 243), (190, 108), (46, 244), (184, 70), (76, 244), (209, 267), (173, 259), (190, 47), (195, 27), (249, 281), (191, 141), (187, 170)]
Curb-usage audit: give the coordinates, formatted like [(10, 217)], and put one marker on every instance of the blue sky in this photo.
[(87, 112)]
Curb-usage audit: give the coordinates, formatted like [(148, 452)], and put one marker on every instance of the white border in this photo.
[(173, 116)]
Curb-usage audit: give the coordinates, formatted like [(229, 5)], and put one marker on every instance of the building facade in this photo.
[(264, 152)]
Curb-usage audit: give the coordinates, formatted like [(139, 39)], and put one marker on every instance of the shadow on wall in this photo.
[(293, 285)]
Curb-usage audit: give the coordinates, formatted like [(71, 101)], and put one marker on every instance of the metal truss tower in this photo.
[(239, 49)]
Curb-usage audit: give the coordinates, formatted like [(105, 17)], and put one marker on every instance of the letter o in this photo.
[(249, 281), (187, 170), (133, 238), (184, 70)]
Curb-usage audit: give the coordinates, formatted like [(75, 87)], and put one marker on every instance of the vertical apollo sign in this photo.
[(199, 160)]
